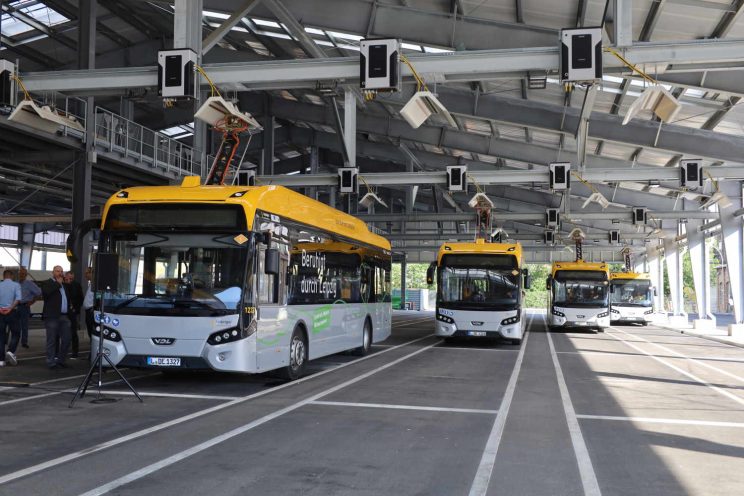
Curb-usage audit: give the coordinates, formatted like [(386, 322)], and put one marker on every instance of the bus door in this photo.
[(274, 329)]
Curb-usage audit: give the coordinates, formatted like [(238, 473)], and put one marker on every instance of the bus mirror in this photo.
[(430, 273), (655, 294), (271, 262), (527, 281), (547, 283), (612, 288)]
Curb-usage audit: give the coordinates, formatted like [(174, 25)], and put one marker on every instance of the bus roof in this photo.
[(580, 265), (276, 200), (629, 275), (479, 246)]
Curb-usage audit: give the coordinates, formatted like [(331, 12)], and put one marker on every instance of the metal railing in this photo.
[(115, 133)]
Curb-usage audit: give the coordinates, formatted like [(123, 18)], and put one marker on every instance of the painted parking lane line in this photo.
[(405, 407), (682, 355), (679, 370), (63, 391), (447, 347), (23, 358), (586, 469), (164, 425), (166, 462), (157, 394), (624, 354), (488, 459), (652, 420)]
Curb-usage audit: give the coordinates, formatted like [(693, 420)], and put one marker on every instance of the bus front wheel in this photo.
[(297, 355), (366, 340)]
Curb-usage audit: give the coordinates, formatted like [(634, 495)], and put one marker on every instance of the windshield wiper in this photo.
[(199, 304), (127, 302)]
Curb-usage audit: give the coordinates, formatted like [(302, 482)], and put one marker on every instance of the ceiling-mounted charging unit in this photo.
[(456, 177), (581, 55), (560, 175), (614, 237), (549, 237), (639, 215), (176, 73), (691, 174), (347, 180), (7, 85), (552, 217), (379, 64)]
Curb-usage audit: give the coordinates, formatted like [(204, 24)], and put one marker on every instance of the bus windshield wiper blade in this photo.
[(126, 302)]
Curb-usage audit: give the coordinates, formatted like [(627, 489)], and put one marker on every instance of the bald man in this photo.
[(57, 306)]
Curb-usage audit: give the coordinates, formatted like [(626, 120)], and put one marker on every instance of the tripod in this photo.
[(98, 362)]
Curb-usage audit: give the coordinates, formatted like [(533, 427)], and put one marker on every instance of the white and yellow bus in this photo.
[(578, 295), (238, 278), (479, 290), (631, 298)]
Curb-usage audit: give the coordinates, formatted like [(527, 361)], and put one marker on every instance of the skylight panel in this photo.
[(261, 22), (217, 15)]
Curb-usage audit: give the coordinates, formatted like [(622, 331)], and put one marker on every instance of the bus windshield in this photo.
[(483, 282), (184, 274), (631, 292), (580, 288)]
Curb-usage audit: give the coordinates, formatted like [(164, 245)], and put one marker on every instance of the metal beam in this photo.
[(651, 19), (728, 19), (50, 32), (535, 216), (215, 36), (457, 66), (623, 23)]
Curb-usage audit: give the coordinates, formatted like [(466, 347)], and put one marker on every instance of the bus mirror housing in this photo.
[(271, 261), (655, 294), (527, 279), (547, 283), (612, 288), (430, 273)]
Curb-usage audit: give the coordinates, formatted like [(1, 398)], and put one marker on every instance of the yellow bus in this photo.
[(479, 290), (578, 295), (631, 298), (239, 278)]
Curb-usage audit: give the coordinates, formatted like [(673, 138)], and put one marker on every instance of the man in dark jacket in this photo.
[(57, 304), (76, 304)]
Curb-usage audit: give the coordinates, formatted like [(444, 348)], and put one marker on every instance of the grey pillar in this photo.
[(700, 268), (267, 161), (731, 234), (81, 179), (187, 33), (26, 234), (350, 125), (673, 259), (403, 268), (312, 191)]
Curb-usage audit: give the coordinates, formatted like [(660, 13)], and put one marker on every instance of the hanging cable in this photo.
[(631, 66), (420, 83), (211, 84)]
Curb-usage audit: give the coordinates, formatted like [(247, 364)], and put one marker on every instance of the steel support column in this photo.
[(656, 272), (700, 268), (731, 233), (403, 269), (350, 112), (673, 258), (26, 235), (623, 23), (82, 170)]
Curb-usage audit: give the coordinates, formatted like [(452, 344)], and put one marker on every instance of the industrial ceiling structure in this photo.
[(294, 65)]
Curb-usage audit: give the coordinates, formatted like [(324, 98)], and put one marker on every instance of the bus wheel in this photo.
[(600, 329), (297, 356), (366, 340)]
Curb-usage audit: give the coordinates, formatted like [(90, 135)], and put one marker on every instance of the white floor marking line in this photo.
[(405, 407), (91, 388), (682, 355), (488, 460), (23, 358), (134, 435), (629, 354), (440, 347), (173, 395), (710, 423), (683, 372), (586, 469), (143, 472)]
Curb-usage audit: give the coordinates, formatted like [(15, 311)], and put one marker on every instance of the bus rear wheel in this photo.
[(297, 356), (366, 340)]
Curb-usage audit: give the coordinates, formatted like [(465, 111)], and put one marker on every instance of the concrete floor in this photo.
[(634, 410)]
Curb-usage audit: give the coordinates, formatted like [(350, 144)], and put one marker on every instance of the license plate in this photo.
[(164, 361), (581, 323), (476, 333)]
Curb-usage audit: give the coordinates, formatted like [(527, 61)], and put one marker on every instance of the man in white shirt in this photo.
[(10, 297)]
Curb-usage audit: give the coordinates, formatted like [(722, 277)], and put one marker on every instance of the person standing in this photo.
[(76, 303), (56, 322), (89, 302), (30, 293), (10, 297)]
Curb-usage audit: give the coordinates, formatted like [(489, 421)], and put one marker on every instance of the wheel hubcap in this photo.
[(366, 337), (297, 353)]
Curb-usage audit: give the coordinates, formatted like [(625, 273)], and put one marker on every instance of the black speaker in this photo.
[(106, 272)]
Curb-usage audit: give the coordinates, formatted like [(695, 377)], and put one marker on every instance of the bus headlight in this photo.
[(108, 333), (557, 313), (444, 318), (614, 311), (227, 336), (648, 312), (602, 315), (510, 320)]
